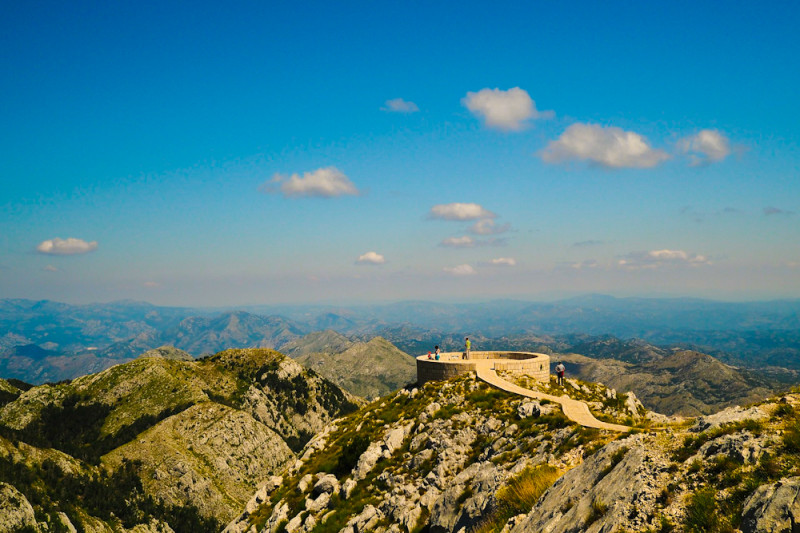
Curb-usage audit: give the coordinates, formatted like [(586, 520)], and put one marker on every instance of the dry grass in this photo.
[(518, 496)]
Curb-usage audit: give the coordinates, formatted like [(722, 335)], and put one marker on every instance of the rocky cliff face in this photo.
[(184, 443), (460, 457)]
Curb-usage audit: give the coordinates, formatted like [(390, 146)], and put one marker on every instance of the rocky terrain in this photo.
[(367, 369), (157, 444), (458, 456), (681, 382)]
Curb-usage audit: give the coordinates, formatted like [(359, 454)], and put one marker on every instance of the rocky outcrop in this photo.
[(210, 456), (730, 416), (615, 488), (773, 508), (168, 352), (16, 513)]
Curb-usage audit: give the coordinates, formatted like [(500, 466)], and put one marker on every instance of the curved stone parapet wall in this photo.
[(451, 364)]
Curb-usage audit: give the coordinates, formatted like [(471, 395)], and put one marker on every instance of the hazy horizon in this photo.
[(260, 154)]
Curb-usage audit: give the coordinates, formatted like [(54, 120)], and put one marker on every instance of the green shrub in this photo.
[(791, 439), (351, 452), (703, 515)]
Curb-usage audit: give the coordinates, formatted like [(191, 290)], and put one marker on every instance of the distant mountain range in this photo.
[(48, 341)]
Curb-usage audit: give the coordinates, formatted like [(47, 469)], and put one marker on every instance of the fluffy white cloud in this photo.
[(398, 105), (503, 110), (370, 258), (659, 258), (705, 146), (461, 270), (151, 284), (50, 268), (610, 147), (458, 242), (459, 211), (325, 182), (487, 226), (70, 246), (503, 261)]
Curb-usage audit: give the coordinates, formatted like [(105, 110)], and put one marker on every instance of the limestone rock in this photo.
[(177, 452), (364, 521), (16, 511), (315, 506), (533, 408), (744, 447), (347, 487), (367, 461), (635, 481), (305, 481), (773, 508), (327, 484), (728, 416)]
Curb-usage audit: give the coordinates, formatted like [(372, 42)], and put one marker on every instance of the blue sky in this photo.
[(189, 153)]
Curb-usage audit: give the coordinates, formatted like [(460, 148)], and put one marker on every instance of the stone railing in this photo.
[(451, 364)]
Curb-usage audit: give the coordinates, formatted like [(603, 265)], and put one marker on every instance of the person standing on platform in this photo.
[(468, 346), (560, 369)]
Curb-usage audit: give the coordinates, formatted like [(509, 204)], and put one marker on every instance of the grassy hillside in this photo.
[(367, 369), (185, 442)]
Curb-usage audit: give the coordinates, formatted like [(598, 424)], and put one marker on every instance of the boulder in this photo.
[(327, 484), (16, 512), (393, 439), (348, 487), (315, 506), (305, 481)]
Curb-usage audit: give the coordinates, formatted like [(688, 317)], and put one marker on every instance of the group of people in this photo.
[(436, 354)]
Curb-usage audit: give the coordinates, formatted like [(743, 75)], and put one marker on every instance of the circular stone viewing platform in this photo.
[(450, 364)]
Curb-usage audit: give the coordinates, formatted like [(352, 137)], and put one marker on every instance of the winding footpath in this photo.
[(575, 410)]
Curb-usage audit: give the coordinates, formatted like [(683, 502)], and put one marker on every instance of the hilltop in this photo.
[(367, 369), (165, 440), (459, 456)]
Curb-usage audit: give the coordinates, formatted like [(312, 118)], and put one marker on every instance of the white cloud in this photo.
[(50, 268), (459, 211), (503, 110), (610, 147), (659, 258), (503, 261), (458, 242), (398, 105), (705, 146), (151, 284), (325, 182), (370, 258), (487, 226), (70, 246), (461, 270)]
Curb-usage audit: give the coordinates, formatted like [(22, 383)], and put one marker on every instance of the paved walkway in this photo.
[(575, 410)]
